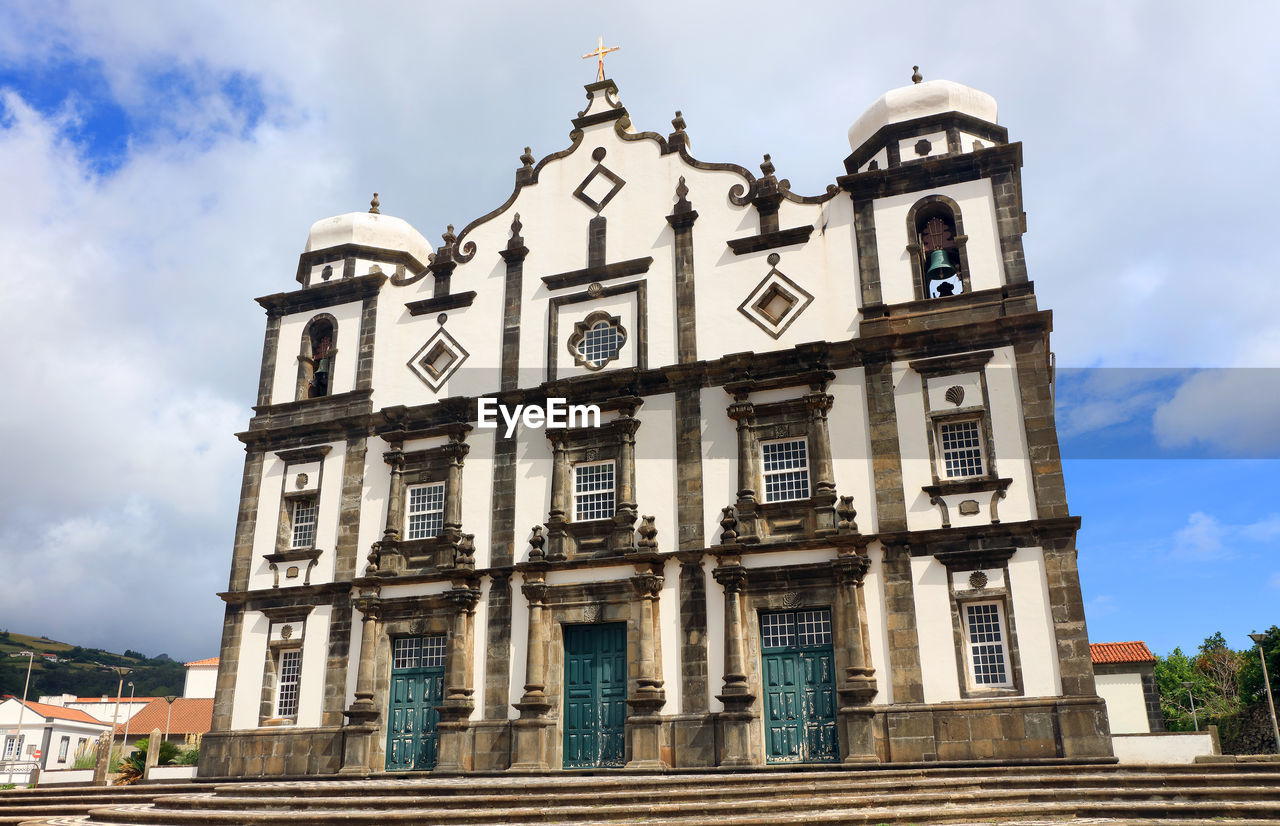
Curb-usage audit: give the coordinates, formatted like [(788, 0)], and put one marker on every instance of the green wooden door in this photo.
[(799, 687), (417, 688), (595, 695)]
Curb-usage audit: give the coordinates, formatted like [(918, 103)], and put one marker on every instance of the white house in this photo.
[(49, 734), (1126, 680), (202, 678)]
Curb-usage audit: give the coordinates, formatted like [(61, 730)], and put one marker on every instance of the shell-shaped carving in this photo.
[(955, 394)]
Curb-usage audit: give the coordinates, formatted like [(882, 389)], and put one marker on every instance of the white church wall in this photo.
[(477, 494), (1037, 646), (373, 499), (479, 650), (249, 671), (655, 468), (977, 212), (284, 386), (937, 146), (715, 634), (533, 486), (1013, 458), (850, 433), (913, 446), (719, 460), (517, 653), (938, 669), (315, 646), (668, 637)]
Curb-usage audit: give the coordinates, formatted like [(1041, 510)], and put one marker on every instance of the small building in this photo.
[(51, 735), (104, 708), (1125, 674), (202, 678), (185, 723)]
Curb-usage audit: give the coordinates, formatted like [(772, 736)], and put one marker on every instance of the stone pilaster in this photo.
[(693, 630), (561, 480), (900, 610), (859, 685), (362, 715), (385, 558), (645, 721), (455, 711), (736, 694), (624, 517), (532, 729), (744, 413), (824, 479)]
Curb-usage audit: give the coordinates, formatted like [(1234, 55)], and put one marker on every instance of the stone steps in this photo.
[(1191, 795), (21, 805)]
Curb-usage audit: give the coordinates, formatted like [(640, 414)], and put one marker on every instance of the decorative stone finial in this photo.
[(448, 236), (846, 512), (526, 159), (647, 532), (536, 542), (682, 197), (374, 204), (767, 167), (728, 525), (916, 77), (516, 226), (677, 123)]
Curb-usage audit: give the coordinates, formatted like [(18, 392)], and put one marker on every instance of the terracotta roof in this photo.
[(1121, 652), (73, 714), (210, 661), (191, 715)]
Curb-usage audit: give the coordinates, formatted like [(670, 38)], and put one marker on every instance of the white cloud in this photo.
[(1230, 410), (1201, 538)]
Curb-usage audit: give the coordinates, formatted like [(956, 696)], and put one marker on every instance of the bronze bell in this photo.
[(939, 266)]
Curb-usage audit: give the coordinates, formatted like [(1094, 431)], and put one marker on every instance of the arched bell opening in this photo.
[(938, 259), (316, 358)]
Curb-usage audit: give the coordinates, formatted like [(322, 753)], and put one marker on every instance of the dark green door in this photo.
[(799, 687), (417, 687), (595, 695)]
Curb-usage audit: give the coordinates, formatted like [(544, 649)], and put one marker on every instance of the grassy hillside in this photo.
[(84, 672)]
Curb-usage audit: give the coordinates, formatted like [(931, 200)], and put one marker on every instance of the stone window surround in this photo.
[(582, 328), (955, 365), (442, 463), (271, 666), (802, 417), (306, 361), (285, 552), (915, 251), (572, 446), (963, 562), (641, 338)]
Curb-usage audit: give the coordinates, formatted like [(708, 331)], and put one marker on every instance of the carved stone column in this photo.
[(456, 452), (531, 730), (736, 694), (859, 685), (824, 483), (362, 715), (645, 721), (455, 710), (625, 512), (561, 480), (744, 413), (388, 561)]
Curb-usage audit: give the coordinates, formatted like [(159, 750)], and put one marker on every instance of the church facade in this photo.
[(660, 464)]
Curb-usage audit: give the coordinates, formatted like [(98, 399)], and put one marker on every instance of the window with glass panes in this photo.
[(984, 633), (600, 344), (784, 465), (425, 512), (961, 444), (287, 684), (418, 652), (593, 491), (304, 524)]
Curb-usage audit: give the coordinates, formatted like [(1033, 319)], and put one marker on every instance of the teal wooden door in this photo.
[(799, 687), (595, 695), (417, 688)]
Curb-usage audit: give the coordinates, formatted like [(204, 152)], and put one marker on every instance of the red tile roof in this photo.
[(1121, 652), (210, 661), (191, 715), (75, 715)]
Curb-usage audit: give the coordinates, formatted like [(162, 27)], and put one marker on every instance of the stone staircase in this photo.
[(22, 805), (1043, 794)]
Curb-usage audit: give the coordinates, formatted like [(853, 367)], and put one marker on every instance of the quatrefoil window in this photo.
[(597, 340)]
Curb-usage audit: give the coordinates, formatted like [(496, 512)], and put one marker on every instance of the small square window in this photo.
[(425, 512), (593, 491), (960, 443), (438, 360), (775, 303), (287, 685), (304, 524), (785, 467), (985, 638)]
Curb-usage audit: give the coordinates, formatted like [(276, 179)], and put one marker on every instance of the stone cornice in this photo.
[(342, 291)]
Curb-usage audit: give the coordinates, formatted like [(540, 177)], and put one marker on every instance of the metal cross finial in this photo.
[(599, 53)]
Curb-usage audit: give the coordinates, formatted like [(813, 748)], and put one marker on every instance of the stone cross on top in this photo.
[(599, 53)]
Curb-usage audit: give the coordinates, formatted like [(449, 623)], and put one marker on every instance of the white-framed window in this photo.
[(960, 449), (424, 516), (13, 746), (593, 491), (785, 466), (984, 634), (304, 524), (287, 685), (418, 652), (63, 746)]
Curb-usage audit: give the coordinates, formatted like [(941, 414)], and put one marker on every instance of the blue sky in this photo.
[(164, 161)]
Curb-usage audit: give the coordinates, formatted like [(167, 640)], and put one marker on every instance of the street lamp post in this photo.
[(1275, 729), (31, 657), (124, 744), (115, 717), (1191, 697), (169, 698)]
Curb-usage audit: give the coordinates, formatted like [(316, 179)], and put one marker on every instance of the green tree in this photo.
[(1251, 688)]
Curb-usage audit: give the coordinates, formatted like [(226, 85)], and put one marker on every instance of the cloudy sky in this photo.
[(161, 162)]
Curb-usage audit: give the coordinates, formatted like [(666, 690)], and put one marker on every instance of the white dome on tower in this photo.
[(370, 229), (929, 97)]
